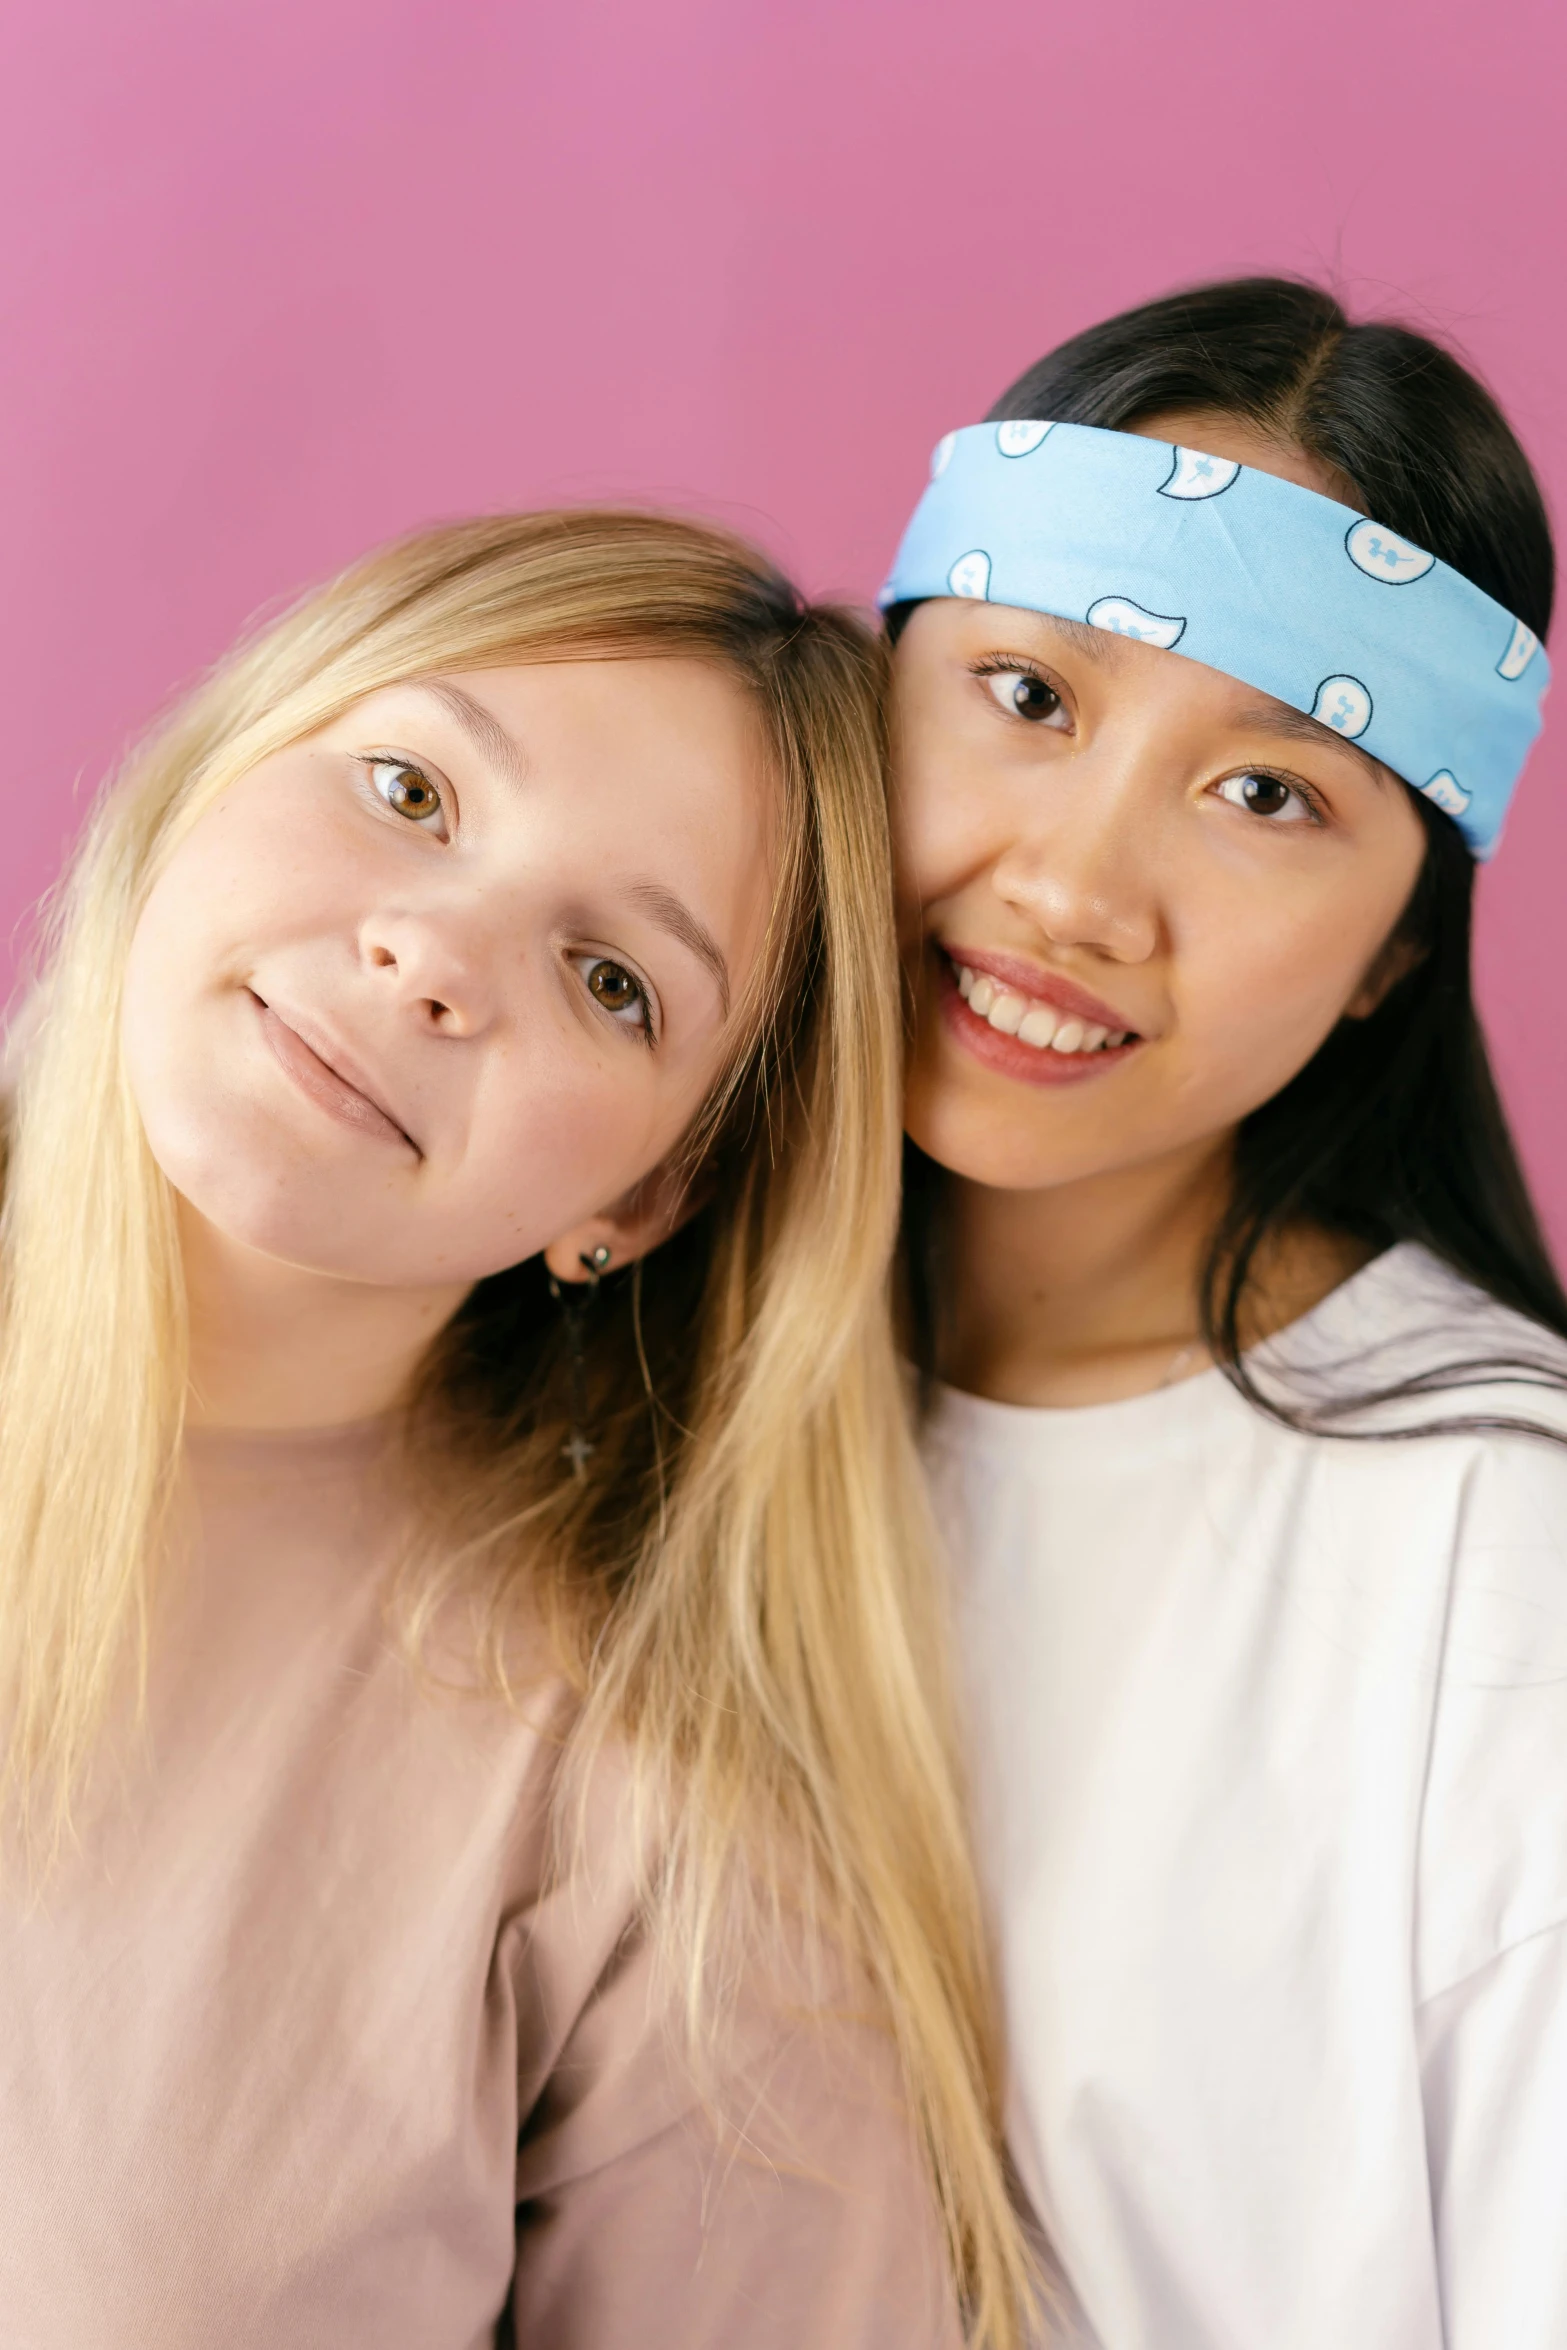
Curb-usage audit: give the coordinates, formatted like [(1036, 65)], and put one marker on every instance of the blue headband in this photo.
[(1268, 582)]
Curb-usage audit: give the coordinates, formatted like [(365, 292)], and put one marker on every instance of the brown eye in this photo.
[(617, 991), (407, 791), (1023, 695), (1266, 795), (615, 988)]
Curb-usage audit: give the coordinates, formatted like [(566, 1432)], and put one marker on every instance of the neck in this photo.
[(274, 1345), (1089, 1292)]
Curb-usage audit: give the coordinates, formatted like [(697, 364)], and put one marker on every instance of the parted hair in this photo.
[(1394, 1131)]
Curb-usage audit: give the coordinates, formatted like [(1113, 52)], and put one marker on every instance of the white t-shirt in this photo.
[(1272, 1737)]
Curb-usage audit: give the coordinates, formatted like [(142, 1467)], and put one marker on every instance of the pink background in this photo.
[(279, 280)]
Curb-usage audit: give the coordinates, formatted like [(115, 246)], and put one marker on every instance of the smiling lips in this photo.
[(324, 1084), (1031, 1022), (996, 1014)]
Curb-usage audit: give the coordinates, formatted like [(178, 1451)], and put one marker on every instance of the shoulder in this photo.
[(789, 2041), (1435, 1346), (1490, 1388), (763, 2187)]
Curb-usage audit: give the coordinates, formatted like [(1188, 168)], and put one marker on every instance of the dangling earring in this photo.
[(578, 1448)]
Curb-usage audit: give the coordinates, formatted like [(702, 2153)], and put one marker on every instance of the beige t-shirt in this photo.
[(300, 2049)]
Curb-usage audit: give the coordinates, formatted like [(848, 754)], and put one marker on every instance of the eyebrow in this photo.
[(672, 914), (1276, 718), (1093, 643), (1295, 726), (481, 725)]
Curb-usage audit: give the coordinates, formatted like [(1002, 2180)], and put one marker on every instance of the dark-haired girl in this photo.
[(1218, 654)]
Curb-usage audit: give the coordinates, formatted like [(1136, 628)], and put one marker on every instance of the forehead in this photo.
[(949, 628), (594, 700), (682, 731), (949, 633)]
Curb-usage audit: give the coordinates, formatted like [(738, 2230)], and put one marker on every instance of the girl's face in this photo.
[(423, 992), (1137, 895)]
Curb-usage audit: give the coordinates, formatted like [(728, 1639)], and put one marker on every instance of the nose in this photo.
[(433, 960), (1083, 873)]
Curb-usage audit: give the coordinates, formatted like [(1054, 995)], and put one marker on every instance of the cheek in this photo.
[(942, 826), (200, 913), (235, 885), (245, 875), (188, 1060), (1253, 1014), (552, 1140), (169, 956)]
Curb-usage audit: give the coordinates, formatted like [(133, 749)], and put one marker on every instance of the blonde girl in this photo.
[(482, 1856)]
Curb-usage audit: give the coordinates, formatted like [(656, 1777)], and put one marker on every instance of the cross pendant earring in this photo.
[(578, 1448)]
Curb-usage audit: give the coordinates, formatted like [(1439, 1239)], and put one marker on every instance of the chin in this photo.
[(294, 1226), (261, 1199), (995, 1144), (340, 1231)]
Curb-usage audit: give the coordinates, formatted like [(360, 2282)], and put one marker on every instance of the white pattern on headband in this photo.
[(1344, 704), (1382, 554), (1197, 475), (970, 575), (1019, 439), (1122, 617)]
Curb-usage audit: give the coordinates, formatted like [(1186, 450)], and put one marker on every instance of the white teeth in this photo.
[(1039, 1025)]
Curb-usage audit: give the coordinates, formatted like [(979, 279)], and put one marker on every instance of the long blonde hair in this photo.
[(742, 1577)]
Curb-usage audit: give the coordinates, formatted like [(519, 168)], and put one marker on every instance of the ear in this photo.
[(1395, 960), (631, 1228)]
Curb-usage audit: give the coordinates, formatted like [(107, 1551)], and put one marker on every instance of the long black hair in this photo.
[(1394, 1130)]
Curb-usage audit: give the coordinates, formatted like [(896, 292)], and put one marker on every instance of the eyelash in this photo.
[(645, 1026), (375, 761), (1310, 800), (1019, 665)]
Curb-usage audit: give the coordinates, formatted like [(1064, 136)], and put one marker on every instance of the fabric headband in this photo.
[(1272, 584)]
